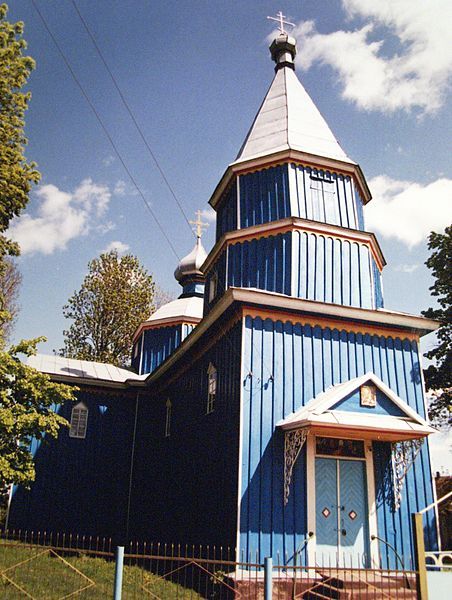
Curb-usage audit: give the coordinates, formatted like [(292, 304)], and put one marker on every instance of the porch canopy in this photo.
[(362, 408)]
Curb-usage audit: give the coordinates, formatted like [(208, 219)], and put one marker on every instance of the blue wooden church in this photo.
[(276, 404)]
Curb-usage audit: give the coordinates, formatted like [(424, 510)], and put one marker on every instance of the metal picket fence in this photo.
[(55, 566)]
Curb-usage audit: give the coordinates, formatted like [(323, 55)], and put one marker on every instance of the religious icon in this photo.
[(368, 395)]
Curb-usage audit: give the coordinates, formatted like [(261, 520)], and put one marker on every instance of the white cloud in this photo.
[(61, 217), (415, 75), (108, 160), (120, 188), (120, 247), (409, 211), (209, 215), (406, 268)]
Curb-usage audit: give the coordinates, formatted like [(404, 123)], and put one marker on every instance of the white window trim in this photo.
[(212, 381), (168, 418), (213, 285), (79, 421)]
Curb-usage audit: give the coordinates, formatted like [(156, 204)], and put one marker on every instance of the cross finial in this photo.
[(280, 19), (199, 225)]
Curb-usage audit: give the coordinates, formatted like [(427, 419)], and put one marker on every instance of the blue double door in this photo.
[(342, 514)]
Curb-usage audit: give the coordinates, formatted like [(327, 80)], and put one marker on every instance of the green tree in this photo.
[(26, 396), (27, 402), (115, 297), (438, 376), (16, 174)]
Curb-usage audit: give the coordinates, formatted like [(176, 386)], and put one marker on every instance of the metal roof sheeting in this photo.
[(61, 367), (289, 119)]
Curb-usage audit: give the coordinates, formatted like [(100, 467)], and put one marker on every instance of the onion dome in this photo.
[(189, 268)]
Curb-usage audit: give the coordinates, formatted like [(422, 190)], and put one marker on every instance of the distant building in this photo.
[(276, 405)]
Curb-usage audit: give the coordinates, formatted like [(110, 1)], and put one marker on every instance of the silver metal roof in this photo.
[(289, 119), (70, 368)]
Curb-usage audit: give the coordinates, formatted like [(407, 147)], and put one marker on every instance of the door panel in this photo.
[(326, 510), (342, 532), (354, 513)]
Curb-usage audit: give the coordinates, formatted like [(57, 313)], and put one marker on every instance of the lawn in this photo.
[(37, 572)]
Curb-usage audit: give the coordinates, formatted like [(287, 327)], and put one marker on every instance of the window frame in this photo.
[(78, 425), (212, 384), (169, 407)]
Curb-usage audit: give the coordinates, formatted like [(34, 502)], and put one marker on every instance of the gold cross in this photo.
[(200, 225), (280, 19)]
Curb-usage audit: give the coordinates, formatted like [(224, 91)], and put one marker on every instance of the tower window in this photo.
[(211, 388), (168, 418), (79, 421), (213, 285)]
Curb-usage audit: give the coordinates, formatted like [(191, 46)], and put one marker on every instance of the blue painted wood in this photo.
[(299, 362), (227, 212), (158, 344), (264, 196), (320, 195), (384, 405)]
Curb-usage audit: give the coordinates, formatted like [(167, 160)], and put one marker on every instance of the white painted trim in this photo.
[(310, 497), (141, 353), (372, 506)]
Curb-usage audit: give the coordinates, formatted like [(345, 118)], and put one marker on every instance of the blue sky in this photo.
[(194, 73)]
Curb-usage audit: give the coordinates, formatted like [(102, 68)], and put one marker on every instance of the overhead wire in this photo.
[(105, 129), (116, 150), (131, 114)]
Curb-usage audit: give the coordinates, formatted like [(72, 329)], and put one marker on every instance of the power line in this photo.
[(104, 128), (131, 114)]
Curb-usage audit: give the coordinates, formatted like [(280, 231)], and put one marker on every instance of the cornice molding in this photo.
[(297, 157), (296, 224)]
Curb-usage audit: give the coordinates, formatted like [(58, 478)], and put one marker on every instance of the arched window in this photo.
[(168, 418), (213, 285), (211, 388), (79, 421)]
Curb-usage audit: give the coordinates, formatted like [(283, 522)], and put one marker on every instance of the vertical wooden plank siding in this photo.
[(288, 365), (227, 212), (320, 195), (160, 343), (264, 196)]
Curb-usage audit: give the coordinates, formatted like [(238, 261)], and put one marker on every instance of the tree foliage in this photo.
[(10, 281), (115, 297), (438, 376), (27, 397), (16, 174), (27, 402)]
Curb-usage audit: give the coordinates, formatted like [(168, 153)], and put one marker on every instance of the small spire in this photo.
[(199, 225), (280, 19), (283, 48)]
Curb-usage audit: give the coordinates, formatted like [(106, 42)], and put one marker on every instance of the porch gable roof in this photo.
[(320, 414)]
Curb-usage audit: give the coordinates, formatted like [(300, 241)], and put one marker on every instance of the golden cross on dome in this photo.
[(280, 19), (200, 225)]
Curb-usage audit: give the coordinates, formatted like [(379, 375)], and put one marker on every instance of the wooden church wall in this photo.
[(185, 485), (293, 190), (74, 490), (288, 364), (158, 344), (323, 196), (304, 265)]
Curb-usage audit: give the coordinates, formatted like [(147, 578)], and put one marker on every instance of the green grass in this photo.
[(43, 574)]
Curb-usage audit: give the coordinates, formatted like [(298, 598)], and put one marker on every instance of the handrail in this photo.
[(424, 510), (375, 537)]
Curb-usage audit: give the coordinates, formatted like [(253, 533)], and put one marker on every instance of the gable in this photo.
[(383, 405)]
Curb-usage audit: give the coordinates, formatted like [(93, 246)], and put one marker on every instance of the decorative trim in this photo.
[(273, 228), (324, 322), (403, 455), (160, 323), (292, 156), (293, 443)]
